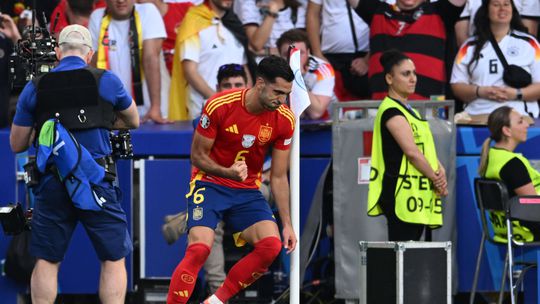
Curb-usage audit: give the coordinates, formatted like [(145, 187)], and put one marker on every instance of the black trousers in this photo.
[(399, 230)]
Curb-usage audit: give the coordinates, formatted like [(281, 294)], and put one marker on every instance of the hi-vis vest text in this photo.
[(415, 200), (497, 159)]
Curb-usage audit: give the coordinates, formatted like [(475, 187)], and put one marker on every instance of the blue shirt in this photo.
[(111, 89)]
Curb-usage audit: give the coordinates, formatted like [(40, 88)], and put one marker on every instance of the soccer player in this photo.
[(234, 133)]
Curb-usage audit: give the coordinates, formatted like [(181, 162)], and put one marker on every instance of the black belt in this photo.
[(107, 162)]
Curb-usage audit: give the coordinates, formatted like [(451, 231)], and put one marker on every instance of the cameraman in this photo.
[(78, 87), (9, 35)]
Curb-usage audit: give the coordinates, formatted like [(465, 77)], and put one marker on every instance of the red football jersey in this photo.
[(240, 135)]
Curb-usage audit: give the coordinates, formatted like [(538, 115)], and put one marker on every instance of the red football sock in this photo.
[(185, 275), (250, 268)]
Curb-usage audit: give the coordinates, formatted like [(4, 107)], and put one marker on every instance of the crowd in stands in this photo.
[(167, 52)]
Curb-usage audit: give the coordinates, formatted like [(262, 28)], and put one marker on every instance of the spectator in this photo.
[(341, 37), (231, 77), (203, 43), (318, 74), (508, 129), (529, 11), (135, 61), (403, 142), (477, 76), (265, 21), (173, 13), (9, 35), (72, 12), (415, 27)]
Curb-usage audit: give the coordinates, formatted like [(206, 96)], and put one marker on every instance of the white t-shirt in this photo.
[(212, 48), (526, 8), (248, 11), (518, 48), (336, 35), (119, 50)]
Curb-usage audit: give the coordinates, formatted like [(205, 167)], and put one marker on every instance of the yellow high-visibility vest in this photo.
[(415, 199), (497, 159)]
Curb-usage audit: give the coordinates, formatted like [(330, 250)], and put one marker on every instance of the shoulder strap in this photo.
[(353, 29), (498, 51), (135, 59), (505, 64)]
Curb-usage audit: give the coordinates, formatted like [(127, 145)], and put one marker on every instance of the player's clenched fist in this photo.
[(239, 171)]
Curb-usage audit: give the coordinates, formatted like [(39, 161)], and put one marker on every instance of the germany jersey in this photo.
[(518, 48), (420, 34), (240, 135)]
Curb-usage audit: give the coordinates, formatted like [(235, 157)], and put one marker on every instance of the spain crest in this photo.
[(247, 140), (265, 132), (197, 213)]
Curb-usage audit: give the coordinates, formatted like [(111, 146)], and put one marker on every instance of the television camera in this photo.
[(33, 54)]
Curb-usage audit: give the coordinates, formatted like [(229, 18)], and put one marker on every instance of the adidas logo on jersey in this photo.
[(232, 129), (182, 293)]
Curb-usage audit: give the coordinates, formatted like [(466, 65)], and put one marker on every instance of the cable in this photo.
[(316, 241)]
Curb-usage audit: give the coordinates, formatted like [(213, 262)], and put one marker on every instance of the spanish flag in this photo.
[(197, 19)]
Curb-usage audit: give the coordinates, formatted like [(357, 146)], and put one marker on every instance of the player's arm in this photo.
[(279, 183), (200, 158)]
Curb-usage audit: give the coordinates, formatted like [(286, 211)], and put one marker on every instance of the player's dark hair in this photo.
[(272, 67), (231, 70)]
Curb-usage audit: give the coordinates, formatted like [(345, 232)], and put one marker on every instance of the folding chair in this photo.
[(492, 195)]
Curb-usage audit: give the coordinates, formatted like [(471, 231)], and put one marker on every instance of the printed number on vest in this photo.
[(417, 204)]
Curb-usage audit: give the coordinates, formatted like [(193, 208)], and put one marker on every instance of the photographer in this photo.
[(100, 103), (9, 35)]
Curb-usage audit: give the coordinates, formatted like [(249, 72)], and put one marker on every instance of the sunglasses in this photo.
[(231, 66)]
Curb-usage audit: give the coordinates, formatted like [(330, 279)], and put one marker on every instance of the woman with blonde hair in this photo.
[(508, 129)]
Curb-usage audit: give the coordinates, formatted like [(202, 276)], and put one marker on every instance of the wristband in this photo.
[(477, 91), (519, 95), (266, 12)]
